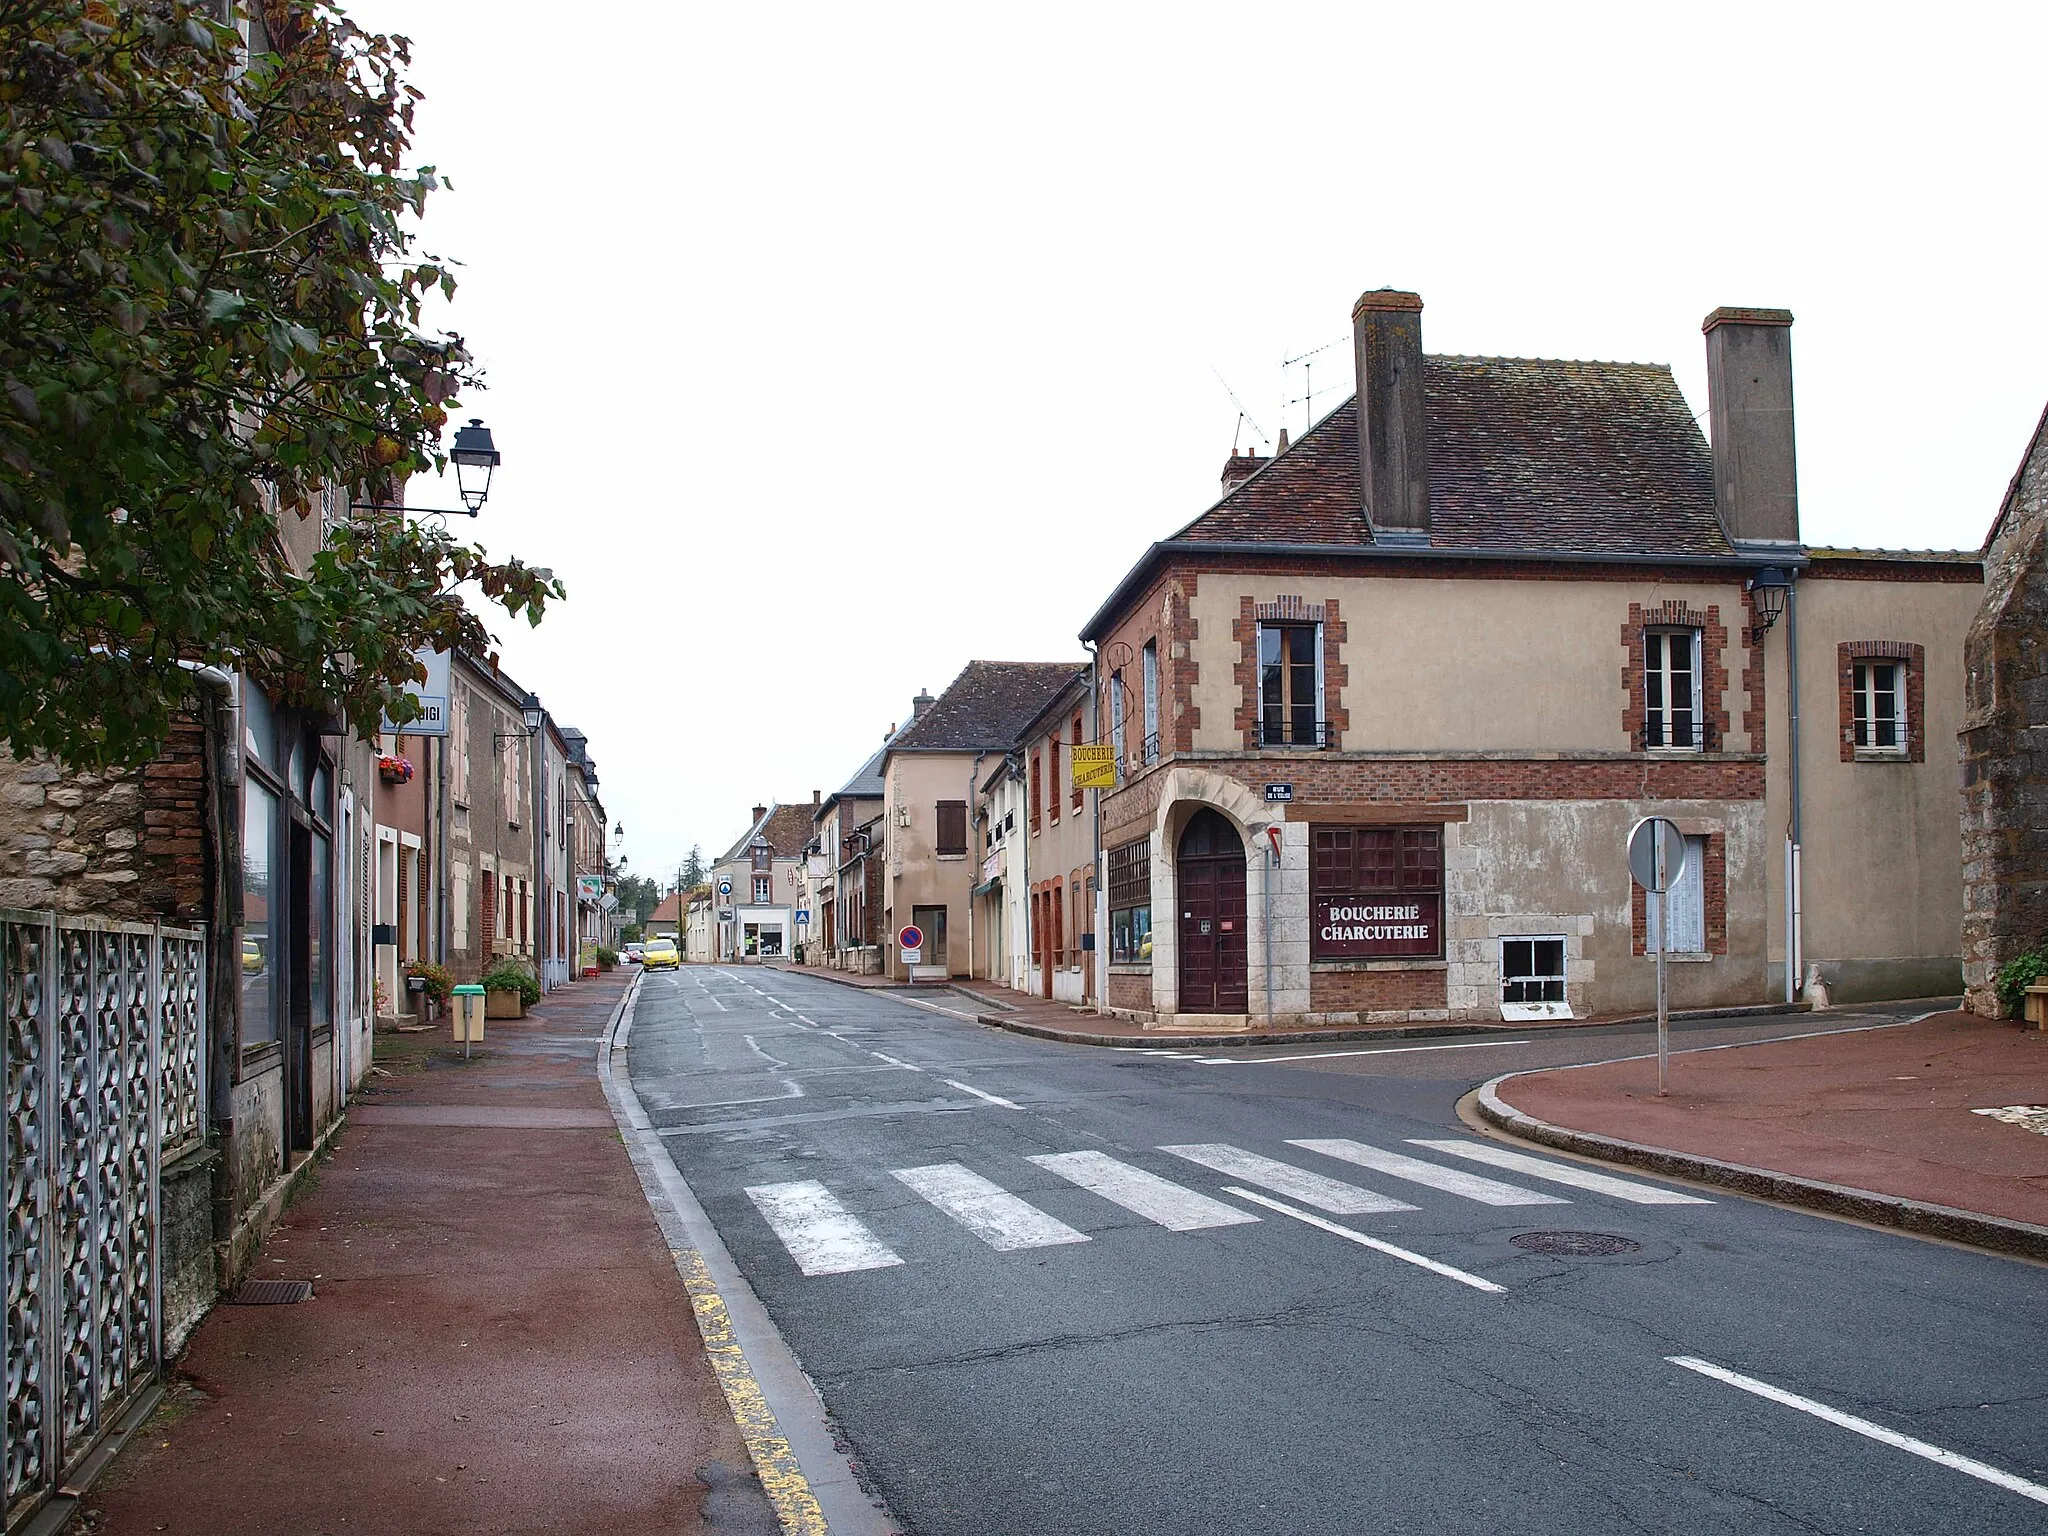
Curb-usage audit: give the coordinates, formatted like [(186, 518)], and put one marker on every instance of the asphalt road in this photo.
[(1066, 1346)]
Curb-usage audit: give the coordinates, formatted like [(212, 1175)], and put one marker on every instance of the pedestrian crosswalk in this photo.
[(823, 1237)]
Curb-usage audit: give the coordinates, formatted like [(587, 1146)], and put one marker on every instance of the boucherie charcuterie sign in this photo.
[(1387, 927)]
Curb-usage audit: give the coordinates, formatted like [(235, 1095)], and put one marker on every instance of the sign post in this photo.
[(911, 940), (1656, 858)]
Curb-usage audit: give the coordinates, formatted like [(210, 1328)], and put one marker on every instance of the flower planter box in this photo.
[(504, 1003)]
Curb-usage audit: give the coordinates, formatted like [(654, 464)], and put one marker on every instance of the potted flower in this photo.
[(438, 984), (394, 770), (510, 988)]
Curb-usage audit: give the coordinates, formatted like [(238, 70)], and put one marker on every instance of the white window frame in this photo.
[(1116, 715), (1546, 1008), (1149, 656), (1863, 693), (1691, 922), (1259, 680), (1668, 633)]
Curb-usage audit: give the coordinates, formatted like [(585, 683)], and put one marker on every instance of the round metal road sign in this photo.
[(912, 936), (1651, 837)]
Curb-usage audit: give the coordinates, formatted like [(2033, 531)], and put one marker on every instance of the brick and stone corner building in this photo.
[(1387, 711), (2004, 739)]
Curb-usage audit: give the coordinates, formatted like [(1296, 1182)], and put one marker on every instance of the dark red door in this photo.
[(1213, 954)]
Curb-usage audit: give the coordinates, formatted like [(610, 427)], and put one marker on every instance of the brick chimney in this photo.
[(1749, 404), (817, 797), (921, 703), (1393, 438), (759, 812), (1240, 467)]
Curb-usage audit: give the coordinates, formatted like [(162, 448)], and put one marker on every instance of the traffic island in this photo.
[(1884, 1125)]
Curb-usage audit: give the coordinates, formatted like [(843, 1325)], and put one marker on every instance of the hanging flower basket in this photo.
[(394, 770)]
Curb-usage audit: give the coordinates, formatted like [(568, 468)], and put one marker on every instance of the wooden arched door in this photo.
[(1209, 871)]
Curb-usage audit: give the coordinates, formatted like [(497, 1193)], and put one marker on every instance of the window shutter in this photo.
[(952, 826)]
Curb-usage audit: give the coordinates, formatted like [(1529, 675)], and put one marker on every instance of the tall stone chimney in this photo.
[(1749, 403), (1393, 438)]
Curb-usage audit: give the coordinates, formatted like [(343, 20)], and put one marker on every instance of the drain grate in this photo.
[(272, 1293), (1575, 1245)]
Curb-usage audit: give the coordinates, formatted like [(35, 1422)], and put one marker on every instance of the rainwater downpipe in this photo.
[(1098, 905), (1272, 873), (1794, 906), (974, 862)]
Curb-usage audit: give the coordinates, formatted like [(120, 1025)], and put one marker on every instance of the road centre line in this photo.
[(1891, 1437), (1393, 1050), (1374, 1243), (885, 1056), (1000, 1103)]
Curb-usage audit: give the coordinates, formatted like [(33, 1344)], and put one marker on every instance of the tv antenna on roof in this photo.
[(1244, 417), (1308, 391)]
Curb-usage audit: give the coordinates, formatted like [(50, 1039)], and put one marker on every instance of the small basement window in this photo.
[(1532, 978)]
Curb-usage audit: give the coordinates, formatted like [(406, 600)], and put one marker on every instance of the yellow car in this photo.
[(661, 953)]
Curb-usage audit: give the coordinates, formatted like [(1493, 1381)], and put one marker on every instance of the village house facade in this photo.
[(1387, 712), (932, 771), (757, 885)]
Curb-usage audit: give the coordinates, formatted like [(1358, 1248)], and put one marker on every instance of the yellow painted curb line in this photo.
[(788, 1490)]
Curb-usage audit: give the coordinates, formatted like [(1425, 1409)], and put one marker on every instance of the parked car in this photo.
[(659, 953), (632, 953)]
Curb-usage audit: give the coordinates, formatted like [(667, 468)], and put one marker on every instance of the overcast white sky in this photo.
[(832, 346)]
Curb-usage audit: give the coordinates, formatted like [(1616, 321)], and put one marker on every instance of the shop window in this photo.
[(1671, 670), (1687, 904), (1377, 893), (952, 827), (262, 927), (1130, 903), (1290, 685), (319, 937), (1532, 974)]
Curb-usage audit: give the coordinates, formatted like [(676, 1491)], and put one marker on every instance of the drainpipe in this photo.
[(974, 863), (1272, 873), (1099, 904), (1795, 931)]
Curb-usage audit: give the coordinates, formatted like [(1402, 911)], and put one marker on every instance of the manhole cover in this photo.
[(1574, 1245), (272, 1293)]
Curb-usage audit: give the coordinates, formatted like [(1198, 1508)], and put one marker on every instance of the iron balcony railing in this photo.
[(1292, 731), (1680, 735)]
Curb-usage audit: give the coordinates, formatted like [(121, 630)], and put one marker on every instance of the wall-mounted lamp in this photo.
[(474, 456), (531, 715), (1767, 590)]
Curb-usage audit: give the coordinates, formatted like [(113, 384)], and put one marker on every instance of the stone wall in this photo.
[(2004, 740), (127, 845)]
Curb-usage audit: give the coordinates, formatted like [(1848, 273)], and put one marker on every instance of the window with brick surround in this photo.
[(1290, 685), (1037, 791), (1116, 717), (1376, 893), (1052, 775), (1077, 742), (1881, 690), (1150, 658), (1671, 693)]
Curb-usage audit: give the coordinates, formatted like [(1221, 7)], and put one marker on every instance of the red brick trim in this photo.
[(1336, 718), (1713, 663), (1182, 669), (1405, 990), (1714, 890), (1847, 654), (1245, 672)]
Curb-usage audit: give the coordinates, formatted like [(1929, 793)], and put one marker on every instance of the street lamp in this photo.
[(532, 713), (475, 456), (1767, 590)]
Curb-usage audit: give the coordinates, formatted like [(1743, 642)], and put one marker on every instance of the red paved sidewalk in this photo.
[(499, 1340), (1884, 1110)]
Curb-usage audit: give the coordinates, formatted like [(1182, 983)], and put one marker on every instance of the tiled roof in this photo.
[(786, 827), (665, 912), (866, 784), (986, 706), (1526, 456)]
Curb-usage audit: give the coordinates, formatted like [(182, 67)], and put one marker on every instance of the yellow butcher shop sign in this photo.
[(1094, 767)]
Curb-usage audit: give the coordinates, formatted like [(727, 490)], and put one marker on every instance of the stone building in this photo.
[(2004, 740), (1387, 711), (758, 883)]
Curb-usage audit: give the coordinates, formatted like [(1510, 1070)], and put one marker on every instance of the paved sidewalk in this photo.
[(1876, 1123), (499, 1341)]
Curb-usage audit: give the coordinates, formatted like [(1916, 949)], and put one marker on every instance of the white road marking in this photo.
[(884, 1056), (1143, 1194), (1324, 1194), (1384, 1050), (821, 1234), (1561, 1173), (999, 1218), (1891, 1437), (999, 1102), (1451, 1180), (1374, 1243), (715, 1002)]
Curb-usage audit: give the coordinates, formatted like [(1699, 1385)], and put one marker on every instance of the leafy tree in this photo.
[(210, 343), (695, 871), (639, 895)]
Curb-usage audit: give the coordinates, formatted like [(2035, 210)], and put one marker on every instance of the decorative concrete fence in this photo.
[(105, 1080)]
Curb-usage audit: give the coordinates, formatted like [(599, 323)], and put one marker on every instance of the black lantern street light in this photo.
[(1767, 591), (475, 456)]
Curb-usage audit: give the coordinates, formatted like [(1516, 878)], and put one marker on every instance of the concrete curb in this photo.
[(799, 1419), (1918, 1217), (1163, 1041)]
